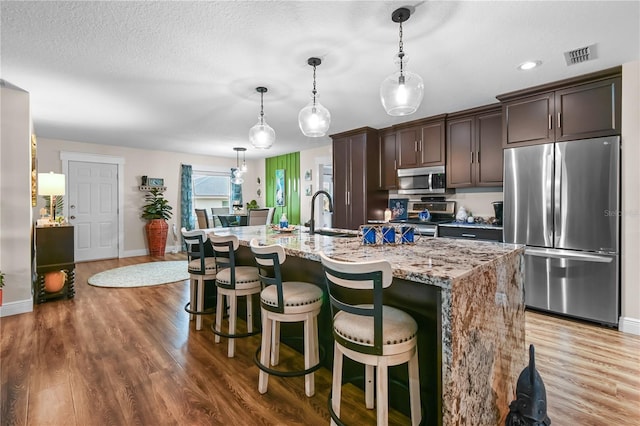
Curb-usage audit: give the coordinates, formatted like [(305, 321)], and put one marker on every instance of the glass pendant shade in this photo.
[(314, 119), (262, 135), (401, 94)]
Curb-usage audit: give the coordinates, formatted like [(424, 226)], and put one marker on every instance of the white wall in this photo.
[(158, 164), (309, 160), (630, 317), (15, 193)]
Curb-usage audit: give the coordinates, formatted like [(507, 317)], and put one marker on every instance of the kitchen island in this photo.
[(467, 297)]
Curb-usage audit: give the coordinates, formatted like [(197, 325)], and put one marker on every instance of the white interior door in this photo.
[(93, 209)]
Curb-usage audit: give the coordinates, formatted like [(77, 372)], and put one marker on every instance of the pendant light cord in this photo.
[(401, 52), (261, 108), (314, 86)]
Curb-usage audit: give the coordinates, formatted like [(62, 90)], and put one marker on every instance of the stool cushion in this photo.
[(397, 326), (246, 277), (295, 295), (209, 266)]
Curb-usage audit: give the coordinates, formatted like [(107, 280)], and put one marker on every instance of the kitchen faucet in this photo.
[(313, 208)]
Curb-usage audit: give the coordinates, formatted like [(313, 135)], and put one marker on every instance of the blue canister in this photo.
[(388, 235), (368, 235), (407, 234)]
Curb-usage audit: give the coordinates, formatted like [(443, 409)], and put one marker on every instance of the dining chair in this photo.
[(288, 302), (203, 220), (370, 333), (201, 268), (224, 220), (233, 281), (258, 217)]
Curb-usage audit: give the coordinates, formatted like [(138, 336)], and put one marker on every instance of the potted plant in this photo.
[(156, 210)]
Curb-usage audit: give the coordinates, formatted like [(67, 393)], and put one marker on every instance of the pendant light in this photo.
[(262, 135), (314, 119), (236, 178), (402, 91)]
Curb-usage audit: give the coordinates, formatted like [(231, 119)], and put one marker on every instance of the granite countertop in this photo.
[(471, 225), (434, 261)]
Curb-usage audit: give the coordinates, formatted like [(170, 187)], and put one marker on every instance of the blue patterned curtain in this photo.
[(236, 190), (186, 200)]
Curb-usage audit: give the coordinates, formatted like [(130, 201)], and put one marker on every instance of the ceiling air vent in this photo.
[(581, 54)]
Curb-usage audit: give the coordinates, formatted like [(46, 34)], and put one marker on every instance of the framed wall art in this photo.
[(280, 188)]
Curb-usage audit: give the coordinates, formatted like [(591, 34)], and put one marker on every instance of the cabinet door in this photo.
[(460, 149), (589, 110), (388, 169), (357, 193), (489, 152), (340, 182), (407, 141), (432, 143), (529, 120)]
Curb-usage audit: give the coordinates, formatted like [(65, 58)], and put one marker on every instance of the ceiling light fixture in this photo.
[(314, 119), (401, 92), (529, 65), (262, 135), (239, 170)]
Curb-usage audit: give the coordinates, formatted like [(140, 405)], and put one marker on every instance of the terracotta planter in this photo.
[(0, 297), (157, 236)]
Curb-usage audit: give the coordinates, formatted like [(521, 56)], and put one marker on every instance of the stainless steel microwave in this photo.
[(422, 180)]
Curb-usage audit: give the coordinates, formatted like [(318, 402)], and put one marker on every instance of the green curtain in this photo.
[(290, 163)]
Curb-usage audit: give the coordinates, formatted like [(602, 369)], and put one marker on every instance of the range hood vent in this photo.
[(581, 54)]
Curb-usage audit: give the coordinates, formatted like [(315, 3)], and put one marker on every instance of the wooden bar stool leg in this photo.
[(336, 390), (267, 326), (369, 383), (414, 389), (249, 313), (275, 348), (233, 313), (192, 299), (219, 305), (309, 382), (200, 302), (382, 390)]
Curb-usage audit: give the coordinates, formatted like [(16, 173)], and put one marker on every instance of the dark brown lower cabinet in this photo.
[(54, 263)]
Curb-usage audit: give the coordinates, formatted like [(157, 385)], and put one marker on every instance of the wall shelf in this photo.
[(149, 188)]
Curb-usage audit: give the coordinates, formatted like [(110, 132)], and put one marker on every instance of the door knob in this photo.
[(72, 206), (72, 217)]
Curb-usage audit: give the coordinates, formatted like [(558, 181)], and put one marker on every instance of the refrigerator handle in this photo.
[(573, 255), (557, 197), (548, 214)]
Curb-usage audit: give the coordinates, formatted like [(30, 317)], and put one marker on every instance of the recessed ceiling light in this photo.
[(529, 65)]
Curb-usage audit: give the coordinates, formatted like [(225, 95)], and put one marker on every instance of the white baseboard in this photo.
[(629, 325), (17, 307)]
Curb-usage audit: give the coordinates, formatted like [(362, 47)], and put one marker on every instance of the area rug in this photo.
[(143, 274)]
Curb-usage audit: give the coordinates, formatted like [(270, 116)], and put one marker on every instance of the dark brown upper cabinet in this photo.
[(583, 107), (474, 147), (388, 162), (356, 194), (421, 143)]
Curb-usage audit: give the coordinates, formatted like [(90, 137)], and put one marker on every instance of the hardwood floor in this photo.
[(130, 356)]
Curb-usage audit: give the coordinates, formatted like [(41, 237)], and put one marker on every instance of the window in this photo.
[(211, 189)]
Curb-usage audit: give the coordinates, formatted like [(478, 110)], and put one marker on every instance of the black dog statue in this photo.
[(530, 405)]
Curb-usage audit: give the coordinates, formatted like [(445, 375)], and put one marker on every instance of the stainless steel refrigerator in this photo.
[(563, 201)]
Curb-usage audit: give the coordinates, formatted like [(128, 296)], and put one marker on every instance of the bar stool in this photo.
[(232, 282), (289, 301), (201, 268), (373, 334)]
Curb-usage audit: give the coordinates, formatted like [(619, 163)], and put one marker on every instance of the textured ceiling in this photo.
[(181, 76)]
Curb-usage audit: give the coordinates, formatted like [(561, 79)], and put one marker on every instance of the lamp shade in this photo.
[(262, 135), (314, 119), (401, 94), (51, 184)]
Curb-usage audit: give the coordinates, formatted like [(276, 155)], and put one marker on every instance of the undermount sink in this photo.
[(338, 234)]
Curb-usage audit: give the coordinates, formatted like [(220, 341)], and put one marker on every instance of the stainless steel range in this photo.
[(439, 208)]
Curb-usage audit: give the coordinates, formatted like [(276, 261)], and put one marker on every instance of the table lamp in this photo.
[(51, 184)]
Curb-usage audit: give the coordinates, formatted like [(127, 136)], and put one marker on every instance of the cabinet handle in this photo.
[(559, 120), (348, 198), (415, 146), (478, 157), (420, 145), (550, 127), (468, 235), (471, 157)]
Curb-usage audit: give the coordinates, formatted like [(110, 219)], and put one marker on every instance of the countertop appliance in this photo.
[(563, 201), (440, 210), (422, 180)]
